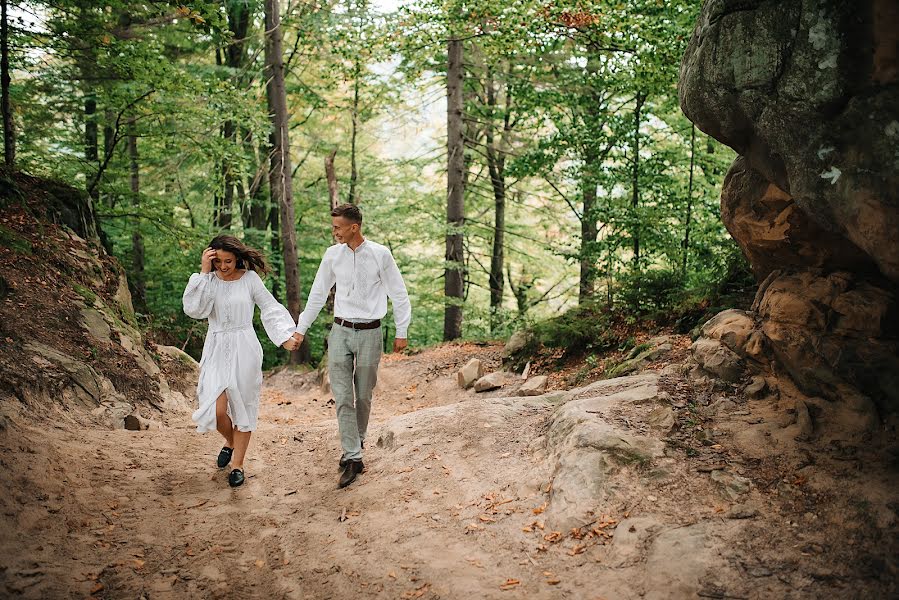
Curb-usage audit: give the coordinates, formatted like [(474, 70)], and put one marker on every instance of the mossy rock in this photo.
[(14, 241)]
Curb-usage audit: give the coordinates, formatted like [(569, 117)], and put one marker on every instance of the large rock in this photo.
[(490, 381), (533, 386), (588, 449), (807, 94), (717, 359), (471, 372)]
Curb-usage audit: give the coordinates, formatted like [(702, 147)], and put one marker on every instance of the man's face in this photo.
[(343, 229)]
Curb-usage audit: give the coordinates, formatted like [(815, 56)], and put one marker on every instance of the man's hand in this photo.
[(400, 344)]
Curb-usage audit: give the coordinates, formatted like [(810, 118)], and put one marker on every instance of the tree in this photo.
[(281, 174), (9, 130), (455, 193)]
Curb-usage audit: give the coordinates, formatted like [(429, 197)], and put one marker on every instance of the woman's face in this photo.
[(225, 262)]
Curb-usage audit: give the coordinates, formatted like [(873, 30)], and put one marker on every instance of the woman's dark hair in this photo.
[(247, 258), (350, 212)]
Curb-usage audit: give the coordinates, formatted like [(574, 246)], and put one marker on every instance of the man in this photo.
[(366, 275)]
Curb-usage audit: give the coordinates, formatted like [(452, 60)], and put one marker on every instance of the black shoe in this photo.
[(236, 478), (352, 468), (224, 457)]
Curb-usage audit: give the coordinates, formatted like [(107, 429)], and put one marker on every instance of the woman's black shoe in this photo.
[(236, 478), (224, 457)]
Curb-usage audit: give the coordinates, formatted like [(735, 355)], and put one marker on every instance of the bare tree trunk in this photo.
[(331, 175), (353, 199), (635, 183), (274, 219), (138, 281), (455, 195), (496, 169), (280, 176), (589, 231), (686, 244), (9, 129)]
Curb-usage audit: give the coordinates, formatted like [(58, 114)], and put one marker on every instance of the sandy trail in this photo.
[(450, 505), (134, 514)]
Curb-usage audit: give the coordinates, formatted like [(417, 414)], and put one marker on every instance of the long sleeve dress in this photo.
[(232, 355)]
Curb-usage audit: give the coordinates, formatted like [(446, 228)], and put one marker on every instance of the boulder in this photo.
[(471, 372), (490, 381), (717, 359), (517, 342), (732, 328), (178, 354), (96, 325), (533, 386), (661, 418), (806, 94)]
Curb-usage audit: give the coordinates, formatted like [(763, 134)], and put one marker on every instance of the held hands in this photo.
[(293, 342), (206, 261), (400, 344)]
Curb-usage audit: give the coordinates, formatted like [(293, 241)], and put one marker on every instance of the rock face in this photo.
[(806, 93), (69, 335)]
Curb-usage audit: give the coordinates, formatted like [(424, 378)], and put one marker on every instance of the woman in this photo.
[(226, 291)]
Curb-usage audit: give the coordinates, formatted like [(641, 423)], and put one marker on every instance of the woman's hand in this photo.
[(293, 342), (206, 262)]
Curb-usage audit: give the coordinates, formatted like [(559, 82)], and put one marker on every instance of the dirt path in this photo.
[(450, 506), (146, 513)]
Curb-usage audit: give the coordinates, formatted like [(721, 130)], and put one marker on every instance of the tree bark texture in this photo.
[(280, 176), (455, 195), (9, 129), (138, 280)]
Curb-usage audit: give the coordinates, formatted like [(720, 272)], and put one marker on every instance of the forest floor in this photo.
[(451, 504)]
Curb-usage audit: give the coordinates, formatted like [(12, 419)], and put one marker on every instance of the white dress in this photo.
[(232, 355)]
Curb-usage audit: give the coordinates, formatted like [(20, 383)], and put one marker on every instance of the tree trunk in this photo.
[(495, 167), (455, 198), (353, 199), (9, 129), (589, 232), (138, 281), (331, 174), (274, 213), (280, 179), (686, 244), (635, 182)]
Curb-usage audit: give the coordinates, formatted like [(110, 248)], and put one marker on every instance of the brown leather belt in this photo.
[(370, 325)]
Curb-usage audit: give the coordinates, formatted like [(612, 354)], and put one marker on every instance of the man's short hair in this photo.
[(350, 212)]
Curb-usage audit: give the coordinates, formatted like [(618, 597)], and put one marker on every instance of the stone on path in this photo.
[(490, 381), (135, 422), (471, 372), (533, 386)]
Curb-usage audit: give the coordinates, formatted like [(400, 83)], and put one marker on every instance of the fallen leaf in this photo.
[(539, 509), (486, 519), (137, 563), (97, 588), (509, 584), (392, 574), (553, 536), (553, 581), (260, 563)]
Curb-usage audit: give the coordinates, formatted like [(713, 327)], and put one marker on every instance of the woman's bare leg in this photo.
[(241, 442), (223, 421)]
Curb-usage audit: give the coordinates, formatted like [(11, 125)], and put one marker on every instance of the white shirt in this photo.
[(365, 279)]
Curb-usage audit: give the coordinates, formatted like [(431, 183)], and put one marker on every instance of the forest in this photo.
[(521, 159)]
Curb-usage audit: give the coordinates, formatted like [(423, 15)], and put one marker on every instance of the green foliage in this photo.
[(551, 98)]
